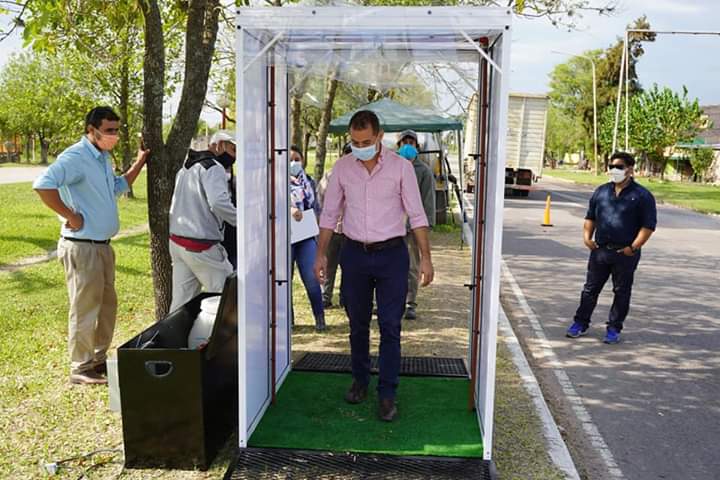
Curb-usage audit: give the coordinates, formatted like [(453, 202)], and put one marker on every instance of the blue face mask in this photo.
[(365, 153), (408, 151)]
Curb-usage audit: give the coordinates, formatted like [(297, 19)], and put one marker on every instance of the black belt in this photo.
[(87, 240), (612, 246), (376, 246)]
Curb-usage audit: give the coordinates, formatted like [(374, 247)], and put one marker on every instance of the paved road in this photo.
[(19, 174), (655, 397)]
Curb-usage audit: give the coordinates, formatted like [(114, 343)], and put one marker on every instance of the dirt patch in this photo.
[(441, 328)]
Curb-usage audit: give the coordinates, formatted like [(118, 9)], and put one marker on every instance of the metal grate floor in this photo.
[(409, 366), (282, 464)]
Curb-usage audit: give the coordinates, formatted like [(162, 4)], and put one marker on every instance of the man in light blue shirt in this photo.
[(81, 187)]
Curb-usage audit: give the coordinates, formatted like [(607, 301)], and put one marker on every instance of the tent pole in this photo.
[(480, 168), (459, 139), (273, 216)]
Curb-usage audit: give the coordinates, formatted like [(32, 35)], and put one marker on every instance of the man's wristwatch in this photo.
[(634, 249)]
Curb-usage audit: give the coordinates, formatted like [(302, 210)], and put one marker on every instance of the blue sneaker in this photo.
[(576, 330), (612, 336)]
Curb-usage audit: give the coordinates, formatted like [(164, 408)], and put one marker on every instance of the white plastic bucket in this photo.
[(210, 305), (201, 330), (113, 382)]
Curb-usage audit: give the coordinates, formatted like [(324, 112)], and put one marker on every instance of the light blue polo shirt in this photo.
[(87, 184)]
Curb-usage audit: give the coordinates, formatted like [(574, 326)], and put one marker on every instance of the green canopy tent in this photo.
[(396, 117)]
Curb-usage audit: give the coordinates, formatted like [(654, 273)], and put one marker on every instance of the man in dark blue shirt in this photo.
[(622, 215)]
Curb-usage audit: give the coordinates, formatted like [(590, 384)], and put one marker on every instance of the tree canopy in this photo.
[(659, 120), (30, 103), (571, 88)]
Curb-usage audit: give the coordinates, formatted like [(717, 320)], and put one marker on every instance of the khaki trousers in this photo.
[(414, 272), (90, 278)]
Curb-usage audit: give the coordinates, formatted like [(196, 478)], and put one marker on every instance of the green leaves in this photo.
[(571, 83), (44, 96), (661, 118), (701, 159)]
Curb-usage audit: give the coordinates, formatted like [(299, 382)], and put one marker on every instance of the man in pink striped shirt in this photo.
[(375, 190)]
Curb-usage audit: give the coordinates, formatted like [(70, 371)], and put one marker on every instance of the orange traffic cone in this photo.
[(546, 216)]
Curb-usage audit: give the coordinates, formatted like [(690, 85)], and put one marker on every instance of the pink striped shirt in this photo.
[(374, 205)]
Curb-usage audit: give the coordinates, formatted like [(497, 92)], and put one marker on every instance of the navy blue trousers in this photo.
[(385, 273), (604, 263)]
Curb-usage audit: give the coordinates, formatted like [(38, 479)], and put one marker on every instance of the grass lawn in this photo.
[(698, 197), (43, 418), (330, 158), (29, 228)]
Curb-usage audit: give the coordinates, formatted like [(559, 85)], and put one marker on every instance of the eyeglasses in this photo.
[(617, 166)]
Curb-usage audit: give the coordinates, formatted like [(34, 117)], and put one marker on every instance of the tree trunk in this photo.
[(28, 149), (159, 188), (124, 106), (321, 151), (306, 141), (44, 149), (296, 125), (202, 26)]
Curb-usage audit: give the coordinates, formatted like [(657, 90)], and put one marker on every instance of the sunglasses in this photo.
[(617, 166)]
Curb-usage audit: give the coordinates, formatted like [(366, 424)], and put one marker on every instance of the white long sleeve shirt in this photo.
[(201, 201)]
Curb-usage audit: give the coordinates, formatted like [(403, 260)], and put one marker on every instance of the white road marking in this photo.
[(557, 450), (589, 427), (573, 200)]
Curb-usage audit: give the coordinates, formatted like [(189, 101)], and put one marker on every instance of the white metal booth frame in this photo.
[(272, 43)]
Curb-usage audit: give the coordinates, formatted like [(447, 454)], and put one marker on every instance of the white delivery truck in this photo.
[(527, 120)]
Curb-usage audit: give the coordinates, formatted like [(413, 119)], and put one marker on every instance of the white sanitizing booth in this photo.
[(277, 45)]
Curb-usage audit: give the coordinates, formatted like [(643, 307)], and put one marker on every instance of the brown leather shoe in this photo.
[(387, 410), (357, 393), (90, 377), (101, 368)]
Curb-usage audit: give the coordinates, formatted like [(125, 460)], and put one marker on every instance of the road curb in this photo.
[(557, 449)]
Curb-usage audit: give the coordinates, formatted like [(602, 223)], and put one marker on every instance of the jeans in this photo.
[(385, 273), (303, 254), (602, 264)]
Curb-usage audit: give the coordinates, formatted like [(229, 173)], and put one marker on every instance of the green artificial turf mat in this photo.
[(310, 413)]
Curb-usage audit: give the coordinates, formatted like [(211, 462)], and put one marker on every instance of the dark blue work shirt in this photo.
[(618, 219)]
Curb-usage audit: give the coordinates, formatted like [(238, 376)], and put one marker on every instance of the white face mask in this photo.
[(365, 154), (617, 175)]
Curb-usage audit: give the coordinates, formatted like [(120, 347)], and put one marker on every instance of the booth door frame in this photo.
[(489, 199), (264, 272)]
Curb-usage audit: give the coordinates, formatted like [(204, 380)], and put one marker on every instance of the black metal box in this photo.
[(179, 406)]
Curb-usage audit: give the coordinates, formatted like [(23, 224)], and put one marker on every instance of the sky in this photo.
[(672, 60)]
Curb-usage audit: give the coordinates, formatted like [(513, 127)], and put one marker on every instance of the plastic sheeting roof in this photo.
[(395, 117)]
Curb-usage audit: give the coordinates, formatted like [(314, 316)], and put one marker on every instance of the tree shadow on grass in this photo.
[(45, 244), (137, 240), (134, 272), (22, 282)]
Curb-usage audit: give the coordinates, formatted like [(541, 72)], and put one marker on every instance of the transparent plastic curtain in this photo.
[(350, 48)]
